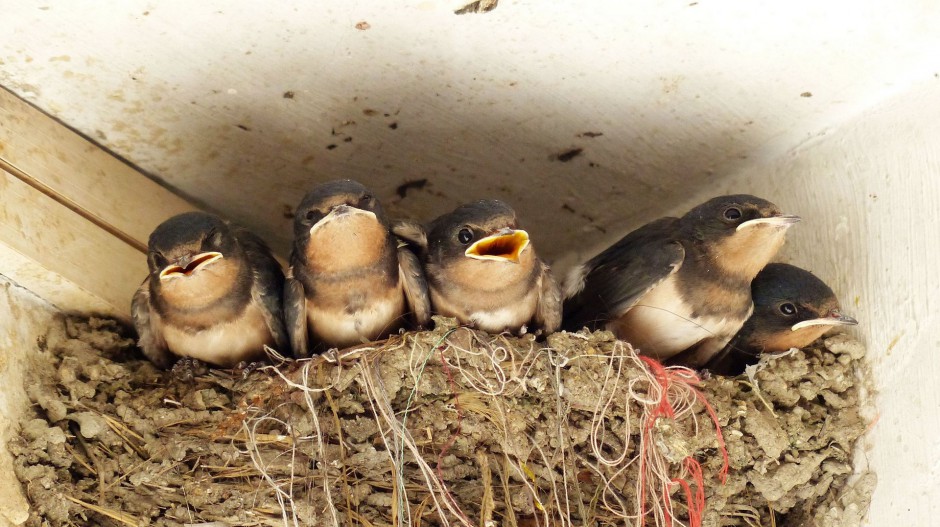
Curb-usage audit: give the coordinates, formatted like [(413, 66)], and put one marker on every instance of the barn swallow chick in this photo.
[(482, 269), (351, 280), (792, 308), (213, 294), (678, 289)]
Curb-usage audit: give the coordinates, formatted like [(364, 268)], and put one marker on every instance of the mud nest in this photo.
[(446, 427)]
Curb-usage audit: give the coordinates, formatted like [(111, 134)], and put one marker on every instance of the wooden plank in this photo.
[(80, 175), (62, 256), (74, 220)]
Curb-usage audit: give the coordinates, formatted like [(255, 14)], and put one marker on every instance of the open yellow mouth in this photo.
[(201, 260), (500, 247)]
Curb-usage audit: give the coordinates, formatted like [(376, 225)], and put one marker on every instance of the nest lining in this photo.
[(445, 427)]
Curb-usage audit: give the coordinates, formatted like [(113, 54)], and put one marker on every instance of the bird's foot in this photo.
[(188, 368), (246, 368)]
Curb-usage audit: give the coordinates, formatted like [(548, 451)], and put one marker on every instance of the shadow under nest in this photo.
[(444, 427)]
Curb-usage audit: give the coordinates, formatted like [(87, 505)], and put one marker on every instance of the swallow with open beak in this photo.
[(213, 294), (351, 280), (792, 308), (482, 269), (678, 289)]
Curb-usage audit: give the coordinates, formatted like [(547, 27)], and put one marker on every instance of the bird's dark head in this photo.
[(339, 218), (741, 233), (188, 243), (335, 200), (792, 308), (484, 230)]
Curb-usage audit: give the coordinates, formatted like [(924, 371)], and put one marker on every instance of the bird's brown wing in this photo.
[(548, 311), (617, 278), (150, 340), (267, 286), (295, 317), (412, 233), (415, 286)]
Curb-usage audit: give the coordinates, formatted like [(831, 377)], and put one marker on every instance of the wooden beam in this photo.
[(63, 257), (80, 174), (74, 220)]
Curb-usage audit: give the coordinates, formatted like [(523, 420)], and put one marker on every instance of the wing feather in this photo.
[(415, 286), (612, 282), (548, 311), (146, 323)]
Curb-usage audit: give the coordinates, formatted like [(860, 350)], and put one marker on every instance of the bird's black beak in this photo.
[(835, 318), (505, 245), (189, 264), (779, 220)]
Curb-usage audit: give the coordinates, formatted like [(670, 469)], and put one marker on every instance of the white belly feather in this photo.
[(503, 319), (347, 329), (469, 310), (225, 344), (661, 325)]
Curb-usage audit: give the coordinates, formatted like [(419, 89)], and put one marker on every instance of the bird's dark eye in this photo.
[(365, 201), (310, 215), (214, 238), (788, 309), (732, 213), (464, 236), (159, 262)]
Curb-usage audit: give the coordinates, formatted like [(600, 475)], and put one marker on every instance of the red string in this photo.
[(723, 473), (664, 377), (696, 503)]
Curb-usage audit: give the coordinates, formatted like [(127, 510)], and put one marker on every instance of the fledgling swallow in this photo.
[(792, 308), (482, 269), (213, 294), (351, 280), (678, 289)]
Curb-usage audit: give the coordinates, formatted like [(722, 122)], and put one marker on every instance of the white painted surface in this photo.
[(681, 91), (870, 194), (692, 98)]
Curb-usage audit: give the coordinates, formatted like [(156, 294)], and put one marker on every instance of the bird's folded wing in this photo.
[(295, 317), (612, 282), (412, 233), (415, 286), (548, 312), (151, 339), (267, 285)]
